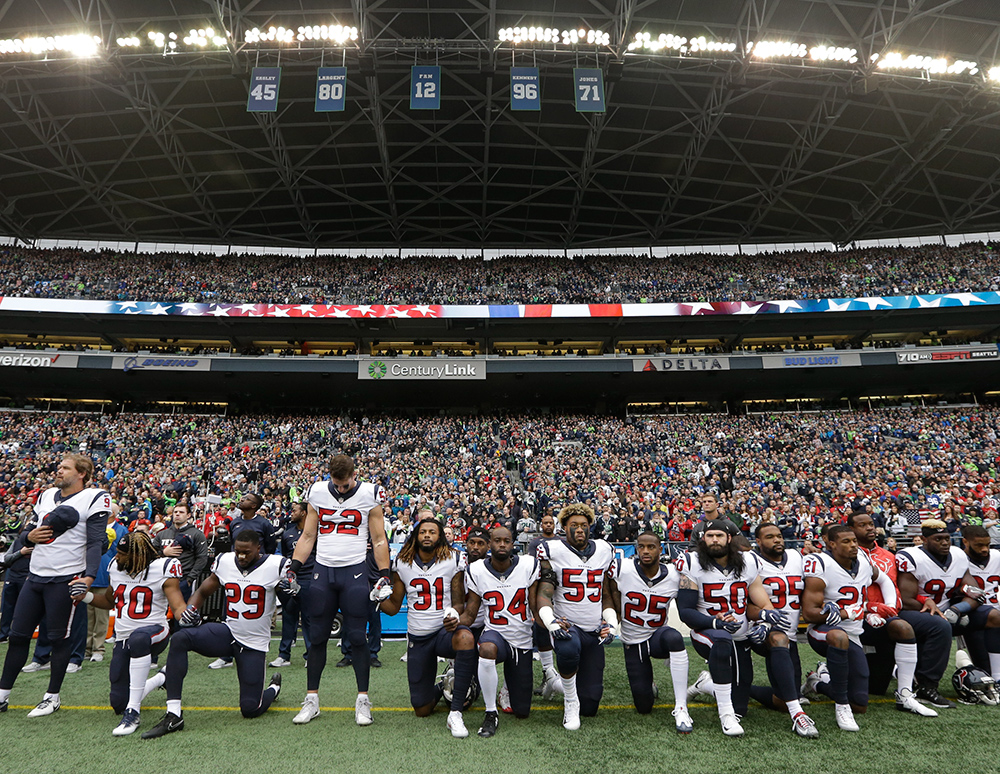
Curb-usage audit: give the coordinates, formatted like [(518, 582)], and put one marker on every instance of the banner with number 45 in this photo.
[(263, 97)]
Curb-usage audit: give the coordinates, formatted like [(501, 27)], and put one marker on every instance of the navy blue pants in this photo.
[(422, 652), (848, 670), (293, 610), (374, 633), (933, 635), (77, 639), (729, 661), (215, 639), (517, 672), (145, 641), (979, 640), (11, 588), (333, 589), (583, 654), (48, 604), (639, 664)]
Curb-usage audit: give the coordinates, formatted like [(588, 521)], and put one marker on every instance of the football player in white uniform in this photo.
[(342, 515), (934, 579), (575, 605), (642, 589), (250, 580), (833, 603), (142, 586), (431, 576), (717, 584), (504, 588), (68, 539)]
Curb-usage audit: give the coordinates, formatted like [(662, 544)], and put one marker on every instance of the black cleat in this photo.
[(276, 684), (167, 725), (3, 706), (489, 727), (929, 694), (345, 662), (375, 662)]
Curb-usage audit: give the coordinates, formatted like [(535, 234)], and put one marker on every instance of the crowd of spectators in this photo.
[(323, 279), (797, 470)]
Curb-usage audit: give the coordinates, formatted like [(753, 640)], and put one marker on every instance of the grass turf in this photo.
[(217, 739)]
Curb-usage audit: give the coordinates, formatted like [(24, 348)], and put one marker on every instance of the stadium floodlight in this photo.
[(517, 35), (334, 33), (932, 65), (833, 54), (994, 74), (777, 49), (76, 45)]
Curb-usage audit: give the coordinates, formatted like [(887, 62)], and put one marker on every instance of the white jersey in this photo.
[(67, 554), (505, 597), (721, 589), (342, 530), (250, 597), (845, 588), (140, 601), (784, 584), (579, 580), (428, 591), (645, 602), (480, 621), (939, 582), (988, 576)]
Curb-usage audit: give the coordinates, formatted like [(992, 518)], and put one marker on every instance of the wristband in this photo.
[(295, 565), (548, 616), (449, 612), (88, 598), (611, 618), (383, 572), (922, 599)]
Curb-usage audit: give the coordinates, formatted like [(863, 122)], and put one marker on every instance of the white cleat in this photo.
[(456, 725), (280, 662), (805, 726), (220, 663), (683, 720), (571, 716), (129, 724), (552, 685), (845, 718), (698, 687), (310, 709), (907, 702), (35, 666), (503, 699), (731, 725), (44, 707), (363, 710)]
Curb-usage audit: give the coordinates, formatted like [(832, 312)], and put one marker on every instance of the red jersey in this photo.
[(886, 563)]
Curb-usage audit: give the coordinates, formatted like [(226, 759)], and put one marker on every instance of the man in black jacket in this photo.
[(184, 541)]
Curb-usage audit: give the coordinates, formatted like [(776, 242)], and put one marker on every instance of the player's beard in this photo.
[(717, 552)]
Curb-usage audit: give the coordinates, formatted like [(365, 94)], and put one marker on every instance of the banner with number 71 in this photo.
[(588, 86)]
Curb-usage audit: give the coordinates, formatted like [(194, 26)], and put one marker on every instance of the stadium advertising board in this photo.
[(154, 363), (422, 369), (950, 355), (31, 360), (678, 364), (812, 360)]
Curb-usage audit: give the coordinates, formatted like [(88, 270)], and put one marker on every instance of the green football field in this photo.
[(217, 739)]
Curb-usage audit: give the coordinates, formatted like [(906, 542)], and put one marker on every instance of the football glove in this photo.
[(548, 616), (758, 633), (730, 626), (874, 620), (289, 584), (882, 610), (974, 592), (381, 591), (78, 589), (776, 618), (955, 618), (855, 612), (190, 617), (832, 613)]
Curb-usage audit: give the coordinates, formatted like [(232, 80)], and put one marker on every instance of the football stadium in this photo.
[(428, 366)]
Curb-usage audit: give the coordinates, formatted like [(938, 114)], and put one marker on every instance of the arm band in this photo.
[(295, 565), (88, 598), (922, 599), (548, 616), (383, 573)]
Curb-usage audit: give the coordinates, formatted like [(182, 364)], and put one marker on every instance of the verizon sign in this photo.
[(28, 360)]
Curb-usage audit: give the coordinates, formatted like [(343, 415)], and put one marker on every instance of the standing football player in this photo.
[(895, 642), (504, 587), (431, 576), (642, 589), (250, 580), (575, 606), (833, 603), (342, 516), (934, 579), (294, 610), (717, 583), (68, 543), (142, 586)]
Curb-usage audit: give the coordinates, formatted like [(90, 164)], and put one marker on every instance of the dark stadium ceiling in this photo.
[(135, 145)]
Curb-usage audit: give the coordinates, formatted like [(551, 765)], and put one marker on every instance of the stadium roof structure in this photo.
[(773, 121)]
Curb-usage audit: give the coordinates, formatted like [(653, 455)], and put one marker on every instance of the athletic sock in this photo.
[(995, 666), (724, 698), (545, 656), (138, 669), (679, 676), (569, 689), (906, 664), (153, 683), (174, 706), (794, 707), (4, 694), (488, 680)]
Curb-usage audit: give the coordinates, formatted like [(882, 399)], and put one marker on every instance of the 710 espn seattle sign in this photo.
[(424, 369), (963, 355)]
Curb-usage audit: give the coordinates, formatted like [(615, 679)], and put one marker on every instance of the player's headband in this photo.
[(478, 532), (928, 531)]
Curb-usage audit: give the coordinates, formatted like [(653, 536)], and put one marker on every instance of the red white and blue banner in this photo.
[(523, 311)]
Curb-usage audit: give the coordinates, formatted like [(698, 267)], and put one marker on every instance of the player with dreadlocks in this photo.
[(431, 575), (142, 585)]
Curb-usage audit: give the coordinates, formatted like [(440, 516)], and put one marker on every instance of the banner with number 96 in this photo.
[(524, 89), (331, 89)]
